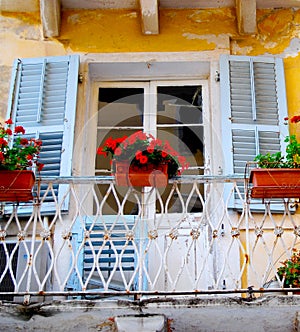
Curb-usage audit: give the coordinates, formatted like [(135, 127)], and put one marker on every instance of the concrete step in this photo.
[(141, 323)]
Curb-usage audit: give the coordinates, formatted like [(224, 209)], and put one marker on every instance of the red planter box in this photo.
[(275, 183), (146, 176), (16, 186)]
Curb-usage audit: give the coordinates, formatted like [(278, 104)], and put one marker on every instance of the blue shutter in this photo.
[(116, 246), (43, 100), (253, 103)]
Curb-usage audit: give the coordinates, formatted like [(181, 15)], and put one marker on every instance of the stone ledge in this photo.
[(211, 313)]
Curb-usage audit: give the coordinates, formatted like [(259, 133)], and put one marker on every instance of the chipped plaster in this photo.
[(221, 41), (181, 30), (293, 49)]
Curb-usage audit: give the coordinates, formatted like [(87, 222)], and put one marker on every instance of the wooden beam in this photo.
[(246, 16), (50, 17), (149, 17)]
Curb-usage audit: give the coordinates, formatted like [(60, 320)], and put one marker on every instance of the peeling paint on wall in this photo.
[(27, 18), (275, 23), (293, 48), (180, 30), (15, 28), (4, 88), (111, 31), (221, 41), (105, 31)]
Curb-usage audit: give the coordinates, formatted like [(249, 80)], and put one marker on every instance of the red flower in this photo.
[(111, 143), (1, 156), (39, 166), (143, 159), (100, 151), (295, 119), (138, 154), (157, 142), (8, 131), (131, 139), (9, 121), (118, 151), (38, 142), (164, 154), (24, 141), (19, 129), (121, 139), (3, 141), (142, 136)]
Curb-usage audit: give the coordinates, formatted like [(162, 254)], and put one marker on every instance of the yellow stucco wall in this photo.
[(93, 31), (292, 75)]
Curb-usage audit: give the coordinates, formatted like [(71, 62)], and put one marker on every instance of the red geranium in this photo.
[(291, 159), (19, 130), (295, 119), (140, 149), (17, 152)]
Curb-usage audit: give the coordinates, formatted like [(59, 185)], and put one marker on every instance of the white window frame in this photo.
[(150, 101)]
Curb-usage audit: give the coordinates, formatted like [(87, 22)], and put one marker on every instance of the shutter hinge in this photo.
[(217, 76), (80, 78)]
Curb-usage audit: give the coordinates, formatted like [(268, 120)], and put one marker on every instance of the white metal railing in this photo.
[(199, 235)]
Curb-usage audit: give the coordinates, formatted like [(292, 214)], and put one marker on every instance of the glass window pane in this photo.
[(102, 162), (179, 104), (120, 107), (180, 120)]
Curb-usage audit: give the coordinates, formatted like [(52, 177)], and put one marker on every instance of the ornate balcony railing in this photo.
[(84, 236)]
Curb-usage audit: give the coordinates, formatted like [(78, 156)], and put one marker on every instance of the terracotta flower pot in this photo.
[(275, 183), (148, 175), (16, 186)]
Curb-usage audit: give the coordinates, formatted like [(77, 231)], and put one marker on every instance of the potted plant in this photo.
[(277, 175), (289, 272), (18, 158), (142, 160)]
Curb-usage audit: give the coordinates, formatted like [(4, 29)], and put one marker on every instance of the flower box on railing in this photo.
[(141, 176), (278, 175), (275, 182), (16, 186), (18, 155)]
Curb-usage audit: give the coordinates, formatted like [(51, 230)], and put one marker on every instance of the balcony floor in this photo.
[(268, 313)]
